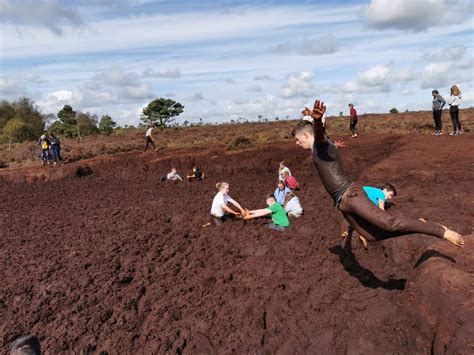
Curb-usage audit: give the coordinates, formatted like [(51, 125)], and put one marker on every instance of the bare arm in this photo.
[(236, 204), (382, 205), (228, 209), (257, 213)]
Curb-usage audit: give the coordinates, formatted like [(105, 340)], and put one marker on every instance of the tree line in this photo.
[(21, 120)]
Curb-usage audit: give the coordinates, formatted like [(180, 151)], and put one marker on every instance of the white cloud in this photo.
[(263, 77), (169, 73), (311, 46), (230, 81), (299, 85), (374, 79), (416, 15), (196, 97), (318, 46), (254, 88), (103, 91), (49, 14), (14, 86), (406, 91), (449, 66)]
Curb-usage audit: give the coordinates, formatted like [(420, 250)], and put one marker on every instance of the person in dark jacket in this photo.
[(55, 149), (438, 104)]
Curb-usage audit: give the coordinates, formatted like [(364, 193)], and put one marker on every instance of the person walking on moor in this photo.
[(349, 197), (149, 139), (354, 120)]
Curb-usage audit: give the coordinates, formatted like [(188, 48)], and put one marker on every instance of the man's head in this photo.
[(282, 164), (389, 191), (435, 93), (304, 134), (173, 170), (351, 105), (270, 199)]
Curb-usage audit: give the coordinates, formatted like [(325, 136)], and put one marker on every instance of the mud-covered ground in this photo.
[(99, 255)]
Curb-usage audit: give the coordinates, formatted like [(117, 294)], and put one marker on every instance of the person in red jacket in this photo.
[(354, 119), (290, 181)]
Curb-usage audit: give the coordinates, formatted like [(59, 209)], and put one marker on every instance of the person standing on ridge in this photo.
[(454, 101), (438, 104), (354, 120)]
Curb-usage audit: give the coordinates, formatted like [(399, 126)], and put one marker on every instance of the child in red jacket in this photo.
[(291, 181)]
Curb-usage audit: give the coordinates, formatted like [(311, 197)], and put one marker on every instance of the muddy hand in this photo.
[(318, 110)]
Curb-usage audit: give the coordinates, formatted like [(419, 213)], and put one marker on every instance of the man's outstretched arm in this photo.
[(317, 114)]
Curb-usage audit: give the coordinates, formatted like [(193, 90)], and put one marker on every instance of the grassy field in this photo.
[(230, 136)]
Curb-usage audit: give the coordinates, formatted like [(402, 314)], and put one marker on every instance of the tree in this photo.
[(341, 114), (393, 110), (106, 125), (87, 124), (26, 115), (7, 111), (161, 111), (16, 129), (69, 126)]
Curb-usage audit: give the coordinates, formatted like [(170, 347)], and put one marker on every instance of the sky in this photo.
[(235, 60)]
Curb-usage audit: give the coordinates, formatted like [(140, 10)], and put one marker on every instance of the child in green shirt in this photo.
[(279, 218)]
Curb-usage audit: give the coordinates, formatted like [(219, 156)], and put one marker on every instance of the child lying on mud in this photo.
[(349, 197), (220, 211), (279, 219)]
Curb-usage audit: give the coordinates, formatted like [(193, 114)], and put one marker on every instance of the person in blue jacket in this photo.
[(280, 192)]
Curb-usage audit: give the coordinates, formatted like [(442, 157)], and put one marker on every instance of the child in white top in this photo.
[(173, 175), (292, 205), (220, 211)]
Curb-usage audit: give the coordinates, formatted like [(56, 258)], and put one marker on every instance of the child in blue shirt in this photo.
[(280, 192), (378, 197)]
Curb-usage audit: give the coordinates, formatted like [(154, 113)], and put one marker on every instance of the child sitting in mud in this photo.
[(291, 182), (196, 174), (173, 175), (292, 205), (220, 210), (282, 168), (378, 197), (280, 192), (279, 219)]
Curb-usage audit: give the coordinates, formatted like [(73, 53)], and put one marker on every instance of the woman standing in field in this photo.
[(454, 101)]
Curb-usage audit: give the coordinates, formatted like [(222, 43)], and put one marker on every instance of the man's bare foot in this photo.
[(345, 234), (206, 225), (422, 219), (364, 241), (453, 237)]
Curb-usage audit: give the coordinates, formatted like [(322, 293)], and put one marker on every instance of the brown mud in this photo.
[(99, 255)]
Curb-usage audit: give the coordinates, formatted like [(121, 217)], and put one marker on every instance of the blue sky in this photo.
[(229, 59)]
